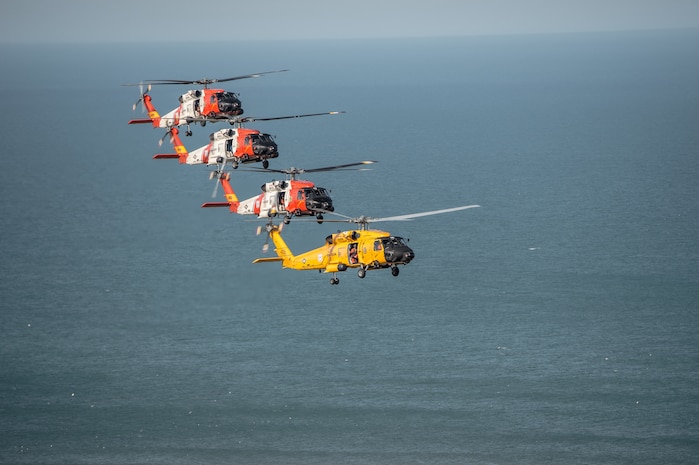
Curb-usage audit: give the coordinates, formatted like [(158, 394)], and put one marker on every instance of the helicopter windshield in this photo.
[(228, 97), (262, 144), (316, 192), (393, 241), (228, 103)]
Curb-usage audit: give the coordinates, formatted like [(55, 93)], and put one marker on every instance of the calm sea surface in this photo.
[(555, 324)]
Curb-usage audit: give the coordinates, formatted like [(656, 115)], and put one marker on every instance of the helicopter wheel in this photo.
[(188, 133), (361, 272), (395, 270), (334, 281), (265, 164), (287, 219), (319, 218)]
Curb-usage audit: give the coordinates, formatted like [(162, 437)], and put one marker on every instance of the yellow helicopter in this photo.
[(363, 248)]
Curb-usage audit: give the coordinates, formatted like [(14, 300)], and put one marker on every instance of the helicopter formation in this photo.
[(361, 248)]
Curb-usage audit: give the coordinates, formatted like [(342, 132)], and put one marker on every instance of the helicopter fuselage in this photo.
[(204, 103), (235, 145), (289, 198), (366, 249)]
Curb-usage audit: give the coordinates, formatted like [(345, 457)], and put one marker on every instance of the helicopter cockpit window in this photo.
[(299, 196), (316, 192), (226, 96), (377, 245), (393, 241)]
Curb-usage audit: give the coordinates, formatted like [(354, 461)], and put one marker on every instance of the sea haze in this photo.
[(555, 324)]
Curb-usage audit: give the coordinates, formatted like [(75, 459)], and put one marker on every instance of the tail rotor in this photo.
[(167, 134), (142, 93), (218, 174), (269, 227)]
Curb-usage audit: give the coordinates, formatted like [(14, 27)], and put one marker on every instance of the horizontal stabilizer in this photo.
[(270, 259), (215, 204), (141, 121), (160, 156)]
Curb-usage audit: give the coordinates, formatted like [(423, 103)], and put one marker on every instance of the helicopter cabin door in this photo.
[(352, 253)]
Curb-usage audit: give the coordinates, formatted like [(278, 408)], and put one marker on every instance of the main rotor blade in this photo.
[(206, 81), (417, 215), (338, 167), (248, 119), (293, 170), (255, 75)]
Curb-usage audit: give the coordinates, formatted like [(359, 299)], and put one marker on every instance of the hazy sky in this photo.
[(177, 20)]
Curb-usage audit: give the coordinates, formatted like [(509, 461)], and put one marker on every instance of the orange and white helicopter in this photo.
[(235, 145), (197, 105), (290, 197), (363, 248)]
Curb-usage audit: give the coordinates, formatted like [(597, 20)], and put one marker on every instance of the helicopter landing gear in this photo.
[(334, 281), (319, 218), (287, 219), (265, 164), (395, 270), (361, 272)]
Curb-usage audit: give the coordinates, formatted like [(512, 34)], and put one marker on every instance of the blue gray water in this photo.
[(555, 324)]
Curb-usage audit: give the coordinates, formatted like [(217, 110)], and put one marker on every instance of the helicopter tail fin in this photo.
[(282, 250), (153, 115), (280, 247), (231, 198), (180, 149), (152, 112)]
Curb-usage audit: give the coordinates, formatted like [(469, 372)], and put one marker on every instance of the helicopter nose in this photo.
[(320, 205), (230, 107), (265, 149), (398, 254)]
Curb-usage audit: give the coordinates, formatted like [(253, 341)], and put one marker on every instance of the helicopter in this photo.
[(363, 248), (235, 145), (289, 197), (196, 105)]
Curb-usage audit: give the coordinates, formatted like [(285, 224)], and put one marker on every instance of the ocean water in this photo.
[(555, 324)]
